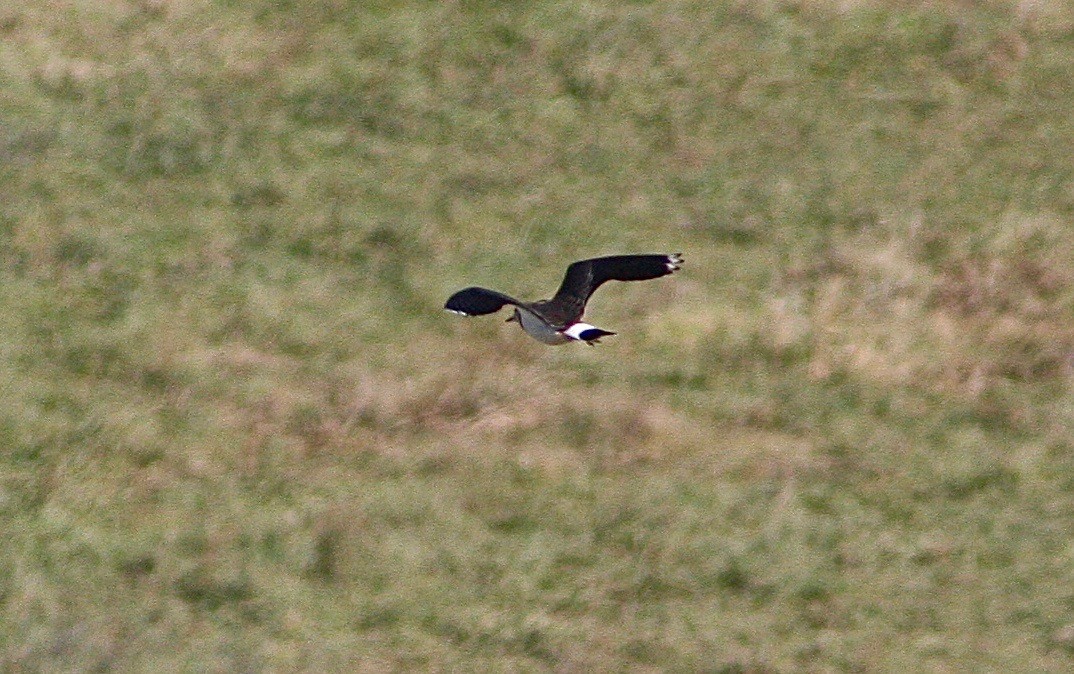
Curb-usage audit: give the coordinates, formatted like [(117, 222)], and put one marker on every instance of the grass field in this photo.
[(239, 434)]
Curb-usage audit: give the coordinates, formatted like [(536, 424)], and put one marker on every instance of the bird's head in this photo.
[(514, 317)]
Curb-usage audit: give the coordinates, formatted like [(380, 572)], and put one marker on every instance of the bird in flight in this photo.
[(559, 320)]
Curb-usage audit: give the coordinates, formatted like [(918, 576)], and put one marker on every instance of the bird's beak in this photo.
[(511, 319)]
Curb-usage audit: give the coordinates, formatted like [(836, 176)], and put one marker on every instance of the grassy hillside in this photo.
[(239, 434)]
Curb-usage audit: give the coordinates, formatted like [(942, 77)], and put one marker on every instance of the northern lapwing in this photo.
[(558, 320)]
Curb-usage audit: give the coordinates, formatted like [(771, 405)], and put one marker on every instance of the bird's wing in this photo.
[(584, 277), (478, 301)]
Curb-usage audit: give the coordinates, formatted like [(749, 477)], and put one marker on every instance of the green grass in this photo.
[(238, 433)]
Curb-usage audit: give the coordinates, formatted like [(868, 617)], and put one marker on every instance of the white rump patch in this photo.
[(456, 311), (576, 330), (674, 261)]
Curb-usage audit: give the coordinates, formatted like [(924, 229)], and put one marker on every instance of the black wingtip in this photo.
[(456, 306), (476, 302)]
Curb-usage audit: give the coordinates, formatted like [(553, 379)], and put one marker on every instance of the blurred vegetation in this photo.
[(238, 433)]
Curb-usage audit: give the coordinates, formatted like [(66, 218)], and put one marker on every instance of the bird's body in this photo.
[(558, 320), (538, 328)]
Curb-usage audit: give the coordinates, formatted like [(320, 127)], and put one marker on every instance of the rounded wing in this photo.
[(585, 276), (478, 301)]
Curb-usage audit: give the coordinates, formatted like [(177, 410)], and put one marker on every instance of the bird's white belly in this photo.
[(540, 330)]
